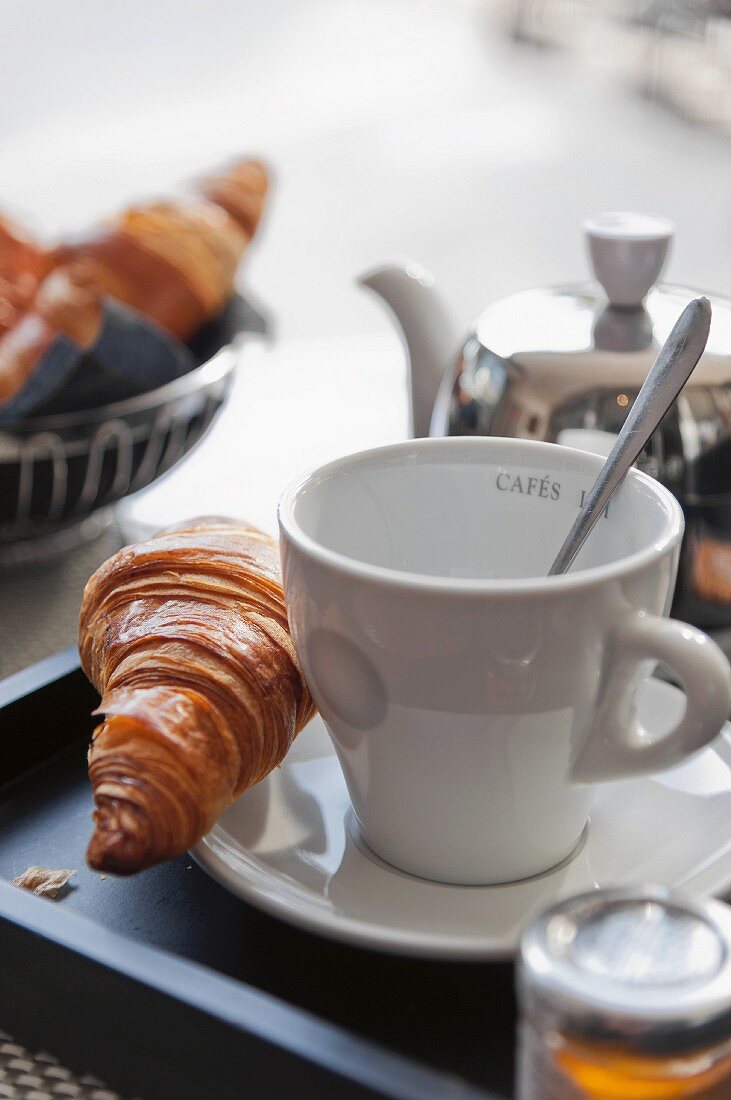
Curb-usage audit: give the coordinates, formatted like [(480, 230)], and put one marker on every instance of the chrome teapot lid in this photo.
[(564, 363), (622, 315)]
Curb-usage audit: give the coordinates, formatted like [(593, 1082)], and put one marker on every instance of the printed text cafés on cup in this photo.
[(530, 486)]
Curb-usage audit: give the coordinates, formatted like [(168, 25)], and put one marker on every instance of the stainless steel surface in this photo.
[(646, 965), (555, 360), (560, 359), (672, 368)]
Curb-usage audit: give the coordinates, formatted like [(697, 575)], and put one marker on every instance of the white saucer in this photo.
[(291, 847)]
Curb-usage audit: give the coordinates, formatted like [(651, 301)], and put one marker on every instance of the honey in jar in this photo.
[(626, 995)]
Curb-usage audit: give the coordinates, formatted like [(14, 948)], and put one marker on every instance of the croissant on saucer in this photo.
[(185, 636)]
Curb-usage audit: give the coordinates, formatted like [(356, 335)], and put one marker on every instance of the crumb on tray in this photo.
[(43, 881)]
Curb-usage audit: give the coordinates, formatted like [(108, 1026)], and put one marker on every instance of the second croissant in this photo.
[(172, 261)]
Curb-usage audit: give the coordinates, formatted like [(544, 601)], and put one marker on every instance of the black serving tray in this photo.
[(164, 985)]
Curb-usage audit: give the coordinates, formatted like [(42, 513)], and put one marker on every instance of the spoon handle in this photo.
[(669, 373)]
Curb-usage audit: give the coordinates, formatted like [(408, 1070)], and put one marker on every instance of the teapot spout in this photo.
[(407, 288)]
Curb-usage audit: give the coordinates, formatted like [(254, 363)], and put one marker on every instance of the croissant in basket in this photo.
[(186, 638), (66, 304), (23, 263), (173, 261)]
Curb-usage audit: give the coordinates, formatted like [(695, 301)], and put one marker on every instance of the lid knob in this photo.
[(627, 253)]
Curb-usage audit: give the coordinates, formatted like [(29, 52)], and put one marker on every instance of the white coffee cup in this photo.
[(474, 702)]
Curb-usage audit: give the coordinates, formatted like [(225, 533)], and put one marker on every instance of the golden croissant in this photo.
[(23, 263), (65, 304), (174, 261), (185, 636)]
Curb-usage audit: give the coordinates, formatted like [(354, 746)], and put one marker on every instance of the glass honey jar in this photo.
[(626, 995)]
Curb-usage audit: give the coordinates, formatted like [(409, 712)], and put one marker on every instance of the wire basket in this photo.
[(59, 474)]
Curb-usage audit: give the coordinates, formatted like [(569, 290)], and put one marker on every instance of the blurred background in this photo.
[(473, 135)]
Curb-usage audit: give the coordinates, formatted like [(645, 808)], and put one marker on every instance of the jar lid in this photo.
[(649, 966)]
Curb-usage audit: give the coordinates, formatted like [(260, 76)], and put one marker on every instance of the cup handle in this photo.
[(618, 744)]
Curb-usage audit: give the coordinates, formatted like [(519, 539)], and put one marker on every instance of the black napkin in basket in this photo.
[(131, 356)]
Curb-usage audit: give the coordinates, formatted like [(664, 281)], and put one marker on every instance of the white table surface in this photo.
[(392, 126)]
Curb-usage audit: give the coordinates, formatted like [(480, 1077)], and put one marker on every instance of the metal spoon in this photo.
[(670, 371)]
